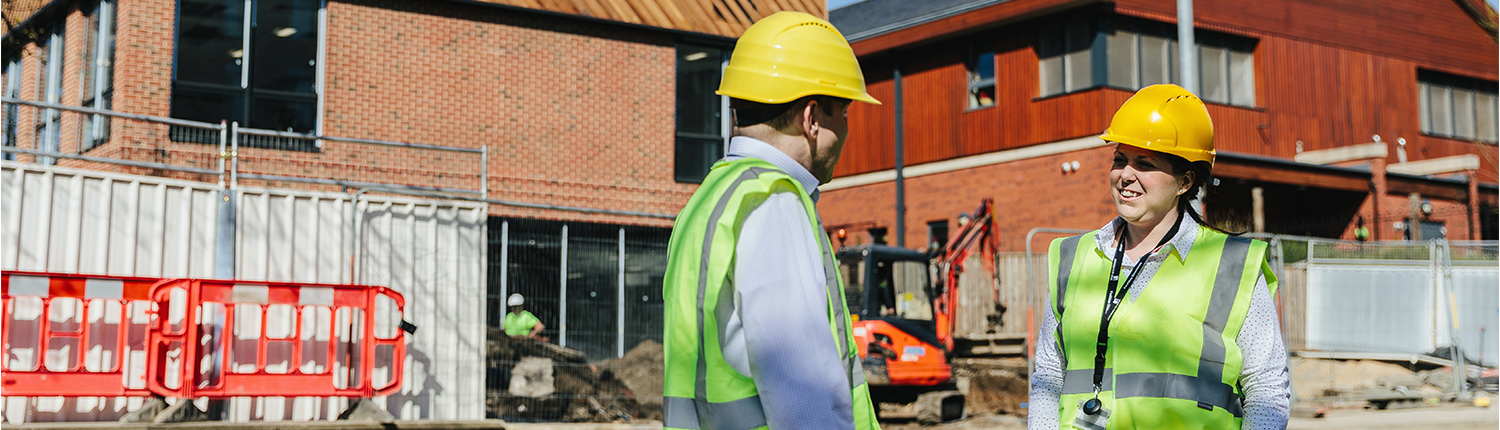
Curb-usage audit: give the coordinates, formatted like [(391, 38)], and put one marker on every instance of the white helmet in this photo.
[(515, 300)]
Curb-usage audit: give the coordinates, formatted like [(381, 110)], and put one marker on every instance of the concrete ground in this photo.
[(1450, 416)]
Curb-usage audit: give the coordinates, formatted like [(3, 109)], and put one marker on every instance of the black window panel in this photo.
[(700, 129), (937, 234), (593, 289), (200, 103), (286, 46), (695, 155), (698, 76), (282, 90), (210, 41), (283, 114)]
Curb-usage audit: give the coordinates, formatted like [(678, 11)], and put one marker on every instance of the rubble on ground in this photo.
[(536, 380), (994, 386)]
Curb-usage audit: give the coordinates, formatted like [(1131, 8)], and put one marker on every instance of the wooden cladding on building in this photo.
[(1328, 85), (719, 17)]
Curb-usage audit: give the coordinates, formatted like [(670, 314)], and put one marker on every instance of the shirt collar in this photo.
[(749, 147), (1179, 245)]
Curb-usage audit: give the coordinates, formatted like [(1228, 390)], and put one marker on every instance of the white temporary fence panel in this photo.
[(79, 221), (1374, 308), (1478, 299)]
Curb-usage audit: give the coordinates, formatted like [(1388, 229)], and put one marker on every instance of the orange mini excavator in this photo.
[(904, 322)]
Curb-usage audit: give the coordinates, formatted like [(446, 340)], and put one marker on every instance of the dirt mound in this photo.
[(994, 386), (580, 391), (1313, 378), (641, 371)]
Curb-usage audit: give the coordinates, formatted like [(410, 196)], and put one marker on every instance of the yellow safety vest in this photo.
[(701, 390), (1172, 361)]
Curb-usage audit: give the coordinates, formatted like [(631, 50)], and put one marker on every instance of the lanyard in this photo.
[(1113, 297)]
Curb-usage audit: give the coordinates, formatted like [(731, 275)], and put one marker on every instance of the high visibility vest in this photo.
[(1172, 361), (701, 390)]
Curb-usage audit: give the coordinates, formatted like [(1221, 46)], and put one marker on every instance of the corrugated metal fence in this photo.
[(80, 221)]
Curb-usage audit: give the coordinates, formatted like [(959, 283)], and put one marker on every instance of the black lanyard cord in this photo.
[(1112, 298)]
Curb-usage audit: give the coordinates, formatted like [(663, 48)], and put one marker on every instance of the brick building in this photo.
[(1325, 114), (585, 124)]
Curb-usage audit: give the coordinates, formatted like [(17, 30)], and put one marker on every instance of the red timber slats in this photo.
[(73, 335), (275, 339), (1313, 83), (1438, 34), (718, 17)]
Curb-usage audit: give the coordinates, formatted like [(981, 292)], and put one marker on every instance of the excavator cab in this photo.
[(890, 284), (890, 297)]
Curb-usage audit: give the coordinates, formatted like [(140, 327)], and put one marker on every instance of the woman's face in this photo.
[(1144, 186)]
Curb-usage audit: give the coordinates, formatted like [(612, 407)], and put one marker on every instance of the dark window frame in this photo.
[(694, 151), (96, 81), (1430, 79), (250, 91), (975, 79), (13, 74), (1100, 57)]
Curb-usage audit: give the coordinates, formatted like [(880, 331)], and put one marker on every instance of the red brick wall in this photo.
[(572, 113)]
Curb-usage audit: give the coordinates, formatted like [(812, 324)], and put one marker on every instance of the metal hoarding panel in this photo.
[(81, 221)]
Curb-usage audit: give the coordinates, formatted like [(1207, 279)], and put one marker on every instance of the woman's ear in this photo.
[(1185, 183)]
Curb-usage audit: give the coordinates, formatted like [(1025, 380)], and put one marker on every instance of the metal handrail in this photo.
[(131, 163), (92, 111), (249, 131)]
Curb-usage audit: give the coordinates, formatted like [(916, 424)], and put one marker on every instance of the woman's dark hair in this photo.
[(1202, 177)]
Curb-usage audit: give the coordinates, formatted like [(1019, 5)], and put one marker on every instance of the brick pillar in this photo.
[(1377, 192), (1474, 233)]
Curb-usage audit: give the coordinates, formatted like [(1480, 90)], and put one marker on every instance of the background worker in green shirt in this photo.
[(519, 322)]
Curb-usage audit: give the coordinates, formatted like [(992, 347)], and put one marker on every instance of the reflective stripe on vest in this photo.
[(1206, 388), (747, 413)]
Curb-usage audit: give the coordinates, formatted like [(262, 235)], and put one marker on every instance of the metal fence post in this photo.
[(562, 301), (1460, 363), (620, 300), (504, 267)]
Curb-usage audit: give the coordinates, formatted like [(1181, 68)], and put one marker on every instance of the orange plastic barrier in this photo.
[(275, 339), (107, 336), (73, 335)]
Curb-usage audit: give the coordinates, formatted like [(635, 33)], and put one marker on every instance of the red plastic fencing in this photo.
[(274, 339), (73, 335), (105, 336)]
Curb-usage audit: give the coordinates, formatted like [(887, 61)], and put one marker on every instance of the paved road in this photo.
[(1450, 417)]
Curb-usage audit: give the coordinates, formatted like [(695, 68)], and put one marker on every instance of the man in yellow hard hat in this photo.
[(757, 332)]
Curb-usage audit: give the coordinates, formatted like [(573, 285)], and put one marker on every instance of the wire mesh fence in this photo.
[(596, 291)]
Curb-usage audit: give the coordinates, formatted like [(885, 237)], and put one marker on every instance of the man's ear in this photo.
[(809, 119)]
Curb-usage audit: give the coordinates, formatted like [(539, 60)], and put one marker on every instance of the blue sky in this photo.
[(835, 4)]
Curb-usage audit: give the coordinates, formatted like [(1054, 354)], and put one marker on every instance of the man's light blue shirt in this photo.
[(778, 333)]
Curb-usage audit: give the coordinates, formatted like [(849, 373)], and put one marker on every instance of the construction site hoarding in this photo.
[(433, 252)]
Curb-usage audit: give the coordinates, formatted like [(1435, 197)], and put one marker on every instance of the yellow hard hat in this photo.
[(1165, 118), (790, 55)]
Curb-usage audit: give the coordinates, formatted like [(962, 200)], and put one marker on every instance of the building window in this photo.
[(1457, 107), (49, 86), (981, 79), (1134, 54), (254, 62), (1066, 53), (877, 235), (701, 132), (96, 86), (937, 234), (12, 111)]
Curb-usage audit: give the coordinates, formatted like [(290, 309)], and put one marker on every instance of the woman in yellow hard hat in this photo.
[(1158, 320)]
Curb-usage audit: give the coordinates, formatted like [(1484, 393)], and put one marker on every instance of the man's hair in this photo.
[(782, 117)]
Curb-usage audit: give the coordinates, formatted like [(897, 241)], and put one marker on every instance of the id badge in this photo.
[(1091, 422)]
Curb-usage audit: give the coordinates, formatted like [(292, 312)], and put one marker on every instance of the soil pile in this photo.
[(994, 386), (579, 391)]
